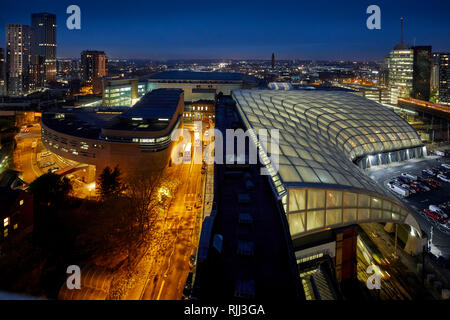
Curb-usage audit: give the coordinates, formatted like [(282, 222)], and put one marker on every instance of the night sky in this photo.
[(244, 29)]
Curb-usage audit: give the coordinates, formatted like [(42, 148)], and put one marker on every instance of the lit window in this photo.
[(21, 202), (5, 233), (16, 226), (6, 222)]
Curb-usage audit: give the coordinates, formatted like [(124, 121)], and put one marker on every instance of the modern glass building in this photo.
[(401, 62), (324, 137)]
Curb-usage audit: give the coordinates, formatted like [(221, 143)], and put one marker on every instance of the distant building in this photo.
[(401, 69), (196, 85), (122, 92), (422, 72), (273, 61), (2, 73), (443, 77), (19, 39), (44, 48), (94, 68)]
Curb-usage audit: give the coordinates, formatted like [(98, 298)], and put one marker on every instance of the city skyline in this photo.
[(302, 31)]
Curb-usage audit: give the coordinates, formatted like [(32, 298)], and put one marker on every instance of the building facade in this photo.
[(44, 48), (324, 139), (137, 138), (93, 69), (422, 73), (196, 86), (444, 78), (401, 69), (19, 39), (2, 72)]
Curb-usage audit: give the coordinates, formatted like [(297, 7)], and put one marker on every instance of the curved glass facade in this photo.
[(322, 134)]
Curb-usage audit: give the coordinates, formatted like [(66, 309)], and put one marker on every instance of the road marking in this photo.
[(160, 290)]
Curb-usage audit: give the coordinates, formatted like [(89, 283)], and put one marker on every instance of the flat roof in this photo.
[(159, 103)]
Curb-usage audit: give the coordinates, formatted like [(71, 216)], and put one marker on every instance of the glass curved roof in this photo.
[(322, 132)]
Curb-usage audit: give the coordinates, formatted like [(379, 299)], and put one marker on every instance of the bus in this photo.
[(187, 153)]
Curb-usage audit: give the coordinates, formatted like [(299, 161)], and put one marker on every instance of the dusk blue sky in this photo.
[(242, 29)]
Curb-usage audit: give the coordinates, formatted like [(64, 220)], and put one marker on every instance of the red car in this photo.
[(434, 215), (415, 187), (432, 183)]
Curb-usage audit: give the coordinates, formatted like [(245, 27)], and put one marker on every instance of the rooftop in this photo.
[(198, 76)]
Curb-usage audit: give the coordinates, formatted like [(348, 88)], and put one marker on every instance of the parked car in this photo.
[(416, 188), (433, 215), (422, 186), (409, 188), (446, 166), (428, 173), (432, 183), (400, 191), (443, 177), (404, 179), (409, 176)]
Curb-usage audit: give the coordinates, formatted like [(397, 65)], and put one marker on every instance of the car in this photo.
[(422, 186), (416, 188), (404, 179), (409, 188), (409, 176), (443, 178), (428, 172), (432, 183), (399, 190), (433, 215), (446, 166), (392, 183)]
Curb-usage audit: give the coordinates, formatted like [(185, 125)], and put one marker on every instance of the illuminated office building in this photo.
[(19, 39), (94, 66), (443, 83), (122, 92), (44, 48), (401, 69), (2, 73)]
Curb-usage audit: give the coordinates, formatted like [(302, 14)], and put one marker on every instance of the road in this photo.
[(166, 274), (399, 280), (25, 154)]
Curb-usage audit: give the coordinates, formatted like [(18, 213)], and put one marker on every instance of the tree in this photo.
[(51, 189), (110, 184), (50, 192)]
